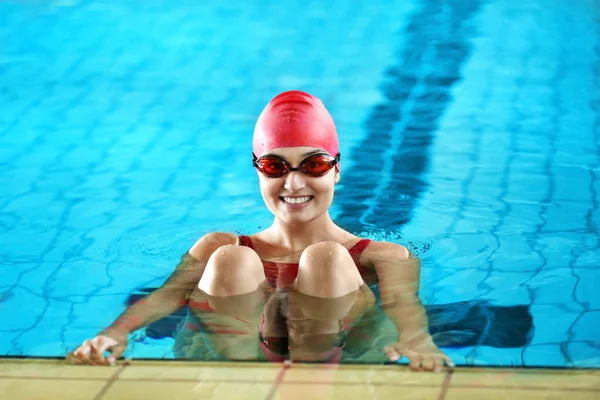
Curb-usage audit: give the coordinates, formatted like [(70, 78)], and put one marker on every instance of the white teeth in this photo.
[(296, 200)]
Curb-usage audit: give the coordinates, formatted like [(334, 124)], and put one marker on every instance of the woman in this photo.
[(300, 288)]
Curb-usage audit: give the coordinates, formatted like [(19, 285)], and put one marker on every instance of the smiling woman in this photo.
[(298, 289)]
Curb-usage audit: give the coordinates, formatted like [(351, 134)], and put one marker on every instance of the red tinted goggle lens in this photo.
[(315, 166)]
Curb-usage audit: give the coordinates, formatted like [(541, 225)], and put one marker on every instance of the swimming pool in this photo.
[(470, 133)]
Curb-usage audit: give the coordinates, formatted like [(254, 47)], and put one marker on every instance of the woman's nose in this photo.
[(294, 181)]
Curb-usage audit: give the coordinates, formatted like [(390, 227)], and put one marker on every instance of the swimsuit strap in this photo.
[(245, 241), (359, 247)]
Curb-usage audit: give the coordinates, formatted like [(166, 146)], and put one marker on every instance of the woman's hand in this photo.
[(422, 353), (91, 352)]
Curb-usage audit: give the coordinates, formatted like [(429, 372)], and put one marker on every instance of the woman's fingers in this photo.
[(82, 353), (73, 359), (101, 344), (415, 361), (392, 353), (97, 352), (428, 362), (448, 361), (92, 351), (115, 353), (438, 364), (435, 362), (419, 361)]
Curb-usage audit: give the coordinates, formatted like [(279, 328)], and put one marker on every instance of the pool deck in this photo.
[(53, 378)]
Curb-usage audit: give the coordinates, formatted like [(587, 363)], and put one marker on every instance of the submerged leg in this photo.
[(227, 304), (328, 297), (231, 281)]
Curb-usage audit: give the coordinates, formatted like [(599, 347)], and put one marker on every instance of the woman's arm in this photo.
[(167, 299), (176, 290), (399, 277), (163, 301)]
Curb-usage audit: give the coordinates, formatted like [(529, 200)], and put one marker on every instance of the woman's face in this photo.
[(297, 198)]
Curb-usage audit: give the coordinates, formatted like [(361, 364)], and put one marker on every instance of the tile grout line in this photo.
[(445, 385), (110, 382), (278, 380)]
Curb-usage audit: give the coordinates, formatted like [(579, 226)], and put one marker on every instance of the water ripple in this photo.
[(417, 247)]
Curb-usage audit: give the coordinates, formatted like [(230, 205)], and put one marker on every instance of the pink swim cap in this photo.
[(294, 119)]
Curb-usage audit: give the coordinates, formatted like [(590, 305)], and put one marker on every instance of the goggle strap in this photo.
[(337, 158)]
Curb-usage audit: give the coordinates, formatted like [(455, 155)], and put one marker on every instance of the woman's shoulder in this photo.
[(377, 251)]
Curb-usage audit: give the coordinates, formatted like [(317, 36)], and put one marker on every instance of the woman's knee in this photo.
[(327, 270), (325, 253), (231, 256), (232, 270)]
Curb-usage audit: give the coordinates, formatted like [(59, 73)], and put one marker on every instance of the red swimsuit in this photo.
[(282, 275)]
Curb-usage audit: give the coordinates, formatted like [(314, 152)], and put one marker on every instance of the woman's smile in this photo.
[(296, 202)]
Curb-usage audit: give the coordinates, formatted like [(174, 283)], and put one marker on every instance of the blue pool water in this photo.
[(470, 131)]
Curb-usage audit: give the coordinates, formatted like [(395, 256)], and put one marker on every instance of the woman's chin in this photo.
[(297, 218), (294, 219)]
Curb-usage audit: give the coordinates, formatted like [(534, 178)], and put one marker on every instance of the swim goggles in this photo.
[(314, 166)]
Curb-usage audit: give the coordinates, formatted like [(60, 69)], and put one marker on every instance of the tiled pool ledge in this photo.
[(169, 380)]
